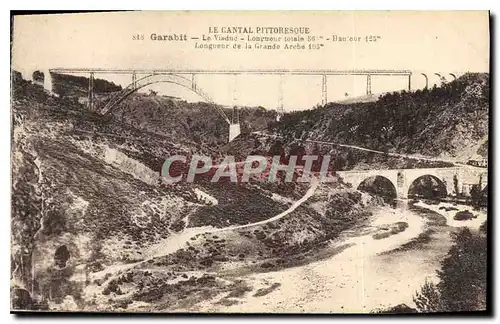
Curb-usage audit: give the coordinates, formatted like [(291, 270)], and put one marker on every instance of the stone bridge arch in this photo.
[(355, 178), (443, 176), (441, 191), (371, 180)]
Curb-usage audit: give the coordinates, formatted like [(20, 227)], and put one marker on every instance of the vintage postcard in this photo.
[(250, 162)]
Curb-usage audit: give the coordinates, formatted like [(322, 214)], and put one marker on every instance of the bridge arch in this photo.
[(427, 186), (160, 78), (378, 185)]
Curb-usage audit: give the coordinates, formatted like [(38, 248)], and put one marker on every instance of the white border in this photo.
[(191, 5)]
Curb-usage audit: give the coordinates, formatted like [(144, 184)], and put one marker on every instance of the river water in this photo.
[(371, 274)]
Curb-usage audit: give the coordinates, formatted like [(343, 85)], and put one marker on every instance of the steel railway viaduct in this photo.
[(401, 179), (187, 78)]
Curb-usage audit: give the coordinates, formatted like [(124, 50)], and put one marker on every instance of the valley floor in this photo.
[(368, 275)]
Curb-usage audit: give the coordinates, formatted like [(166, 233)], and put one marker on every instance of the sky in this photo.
[(423, 42)]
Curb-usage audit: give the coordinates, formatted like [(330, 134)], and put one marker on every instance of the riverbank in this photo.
[(356, 279), (360, 271), (369, 274)]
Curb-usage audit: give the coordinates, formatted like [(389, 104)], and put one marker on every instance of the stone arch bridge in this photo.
[(402, 179)]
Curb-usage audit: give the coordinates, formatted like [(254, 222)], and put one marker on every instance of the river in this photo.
[(371, 274)]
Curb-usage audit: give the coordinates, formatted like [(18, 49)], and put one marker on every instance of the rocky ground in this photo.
[(95, 229), (94, 191)]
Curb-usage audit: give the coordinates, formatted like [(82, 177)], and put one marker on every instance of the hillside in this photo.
[(162, 115), (89, 211), (198, 122), (86, 195), (342, 158), (73, 86), (444, 121)]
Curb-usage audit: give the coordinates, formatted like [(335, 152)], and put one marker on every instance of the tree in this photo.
[(462, 285), (484, 227), (299, 151), (277, 149), (428, 300), (455, 185), (475, 195), (463, 273)]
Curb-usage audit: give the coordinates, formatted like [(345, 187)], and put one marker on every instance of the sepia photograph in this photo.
[(250, 162)]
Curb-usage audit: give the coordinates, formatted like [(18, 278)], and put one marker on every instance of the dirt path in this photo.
[(309, 193), (178, 241)]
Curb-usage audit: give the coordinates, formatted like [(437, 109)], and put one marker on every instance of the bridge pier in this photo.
[(368, 84), (134, 80), (193, 82), (401, 184), (234, 126), (442, 79), (281, 111), (91, 92), (47, 81), (234, 131), (27, 75), (426, 81), (324, 91)]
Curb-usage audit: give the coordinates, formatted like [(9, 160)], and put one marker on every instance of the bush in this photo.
[(267, 265), (428, 300), (462, 285), (382, 235), (463, 215), (398, 309), (463, 273)]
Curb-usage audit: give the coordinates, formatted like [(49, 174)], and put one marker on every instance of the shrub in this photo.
[(462, 285), (382, 235), (267, 265), (463, 273), (428, 299), (463, 215)]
